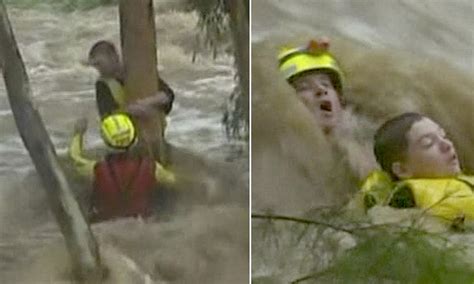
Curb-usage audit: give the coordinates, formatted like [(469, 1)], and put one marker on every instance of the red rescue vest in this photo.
[(123, 187)]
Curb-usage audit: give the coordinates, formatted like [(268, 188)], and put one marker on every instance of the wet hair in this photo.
[(390, 140), (103, 46)]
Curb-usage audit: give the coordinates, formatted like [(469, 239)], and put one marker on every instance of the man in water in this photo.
[(317, 79), (124, 181)]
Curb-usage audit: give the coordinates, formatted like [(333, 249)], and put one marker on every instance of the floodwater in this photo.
[(204, 241), (397, 56)]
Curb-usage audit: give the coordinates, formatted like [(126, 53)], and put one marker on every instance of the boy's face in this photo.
[(317, 92), (430, 153), (105, 62)]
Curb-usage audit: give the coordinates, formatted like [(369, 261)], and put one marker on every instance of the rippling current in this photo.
[(398, 56), (200, 242)]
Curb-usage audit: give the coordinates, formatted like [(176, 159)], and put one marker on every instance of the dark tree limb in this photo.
[(80, 241), (239, 16), (301, 221)]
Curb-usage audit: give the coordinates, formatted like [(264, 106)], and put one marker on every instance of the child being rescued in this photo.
[(420, 169)]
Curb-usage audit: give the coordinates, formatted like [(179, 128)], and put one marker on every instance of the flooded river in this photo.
[(202, 242)]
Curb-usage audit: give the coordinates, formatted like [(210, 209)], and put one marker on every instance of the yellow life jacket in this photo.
[(118, 93), (117, 90), (377, 189), (447, 198)]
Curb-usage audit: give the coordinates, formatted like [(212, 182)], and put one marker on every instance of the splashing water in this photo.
[(397, 56), (200, 241)]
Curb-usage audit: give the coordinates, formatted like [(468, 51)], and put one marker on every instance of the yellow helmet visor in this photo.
[(118, 131), (295, 61)]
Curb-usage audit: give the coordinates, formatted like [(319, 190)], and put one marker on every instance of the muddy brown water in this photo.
[(202, 239)]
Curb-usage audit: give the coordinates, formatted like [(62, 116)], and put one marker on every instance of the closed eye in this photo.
[(426, 141), (302, 87), (442, 133)]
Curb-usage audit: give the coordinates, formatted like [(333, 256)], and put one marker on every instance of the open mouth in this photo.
[(326, 106), (453, 158)]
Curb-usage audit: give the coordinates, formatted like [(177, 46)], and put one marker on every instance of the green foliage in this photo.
[(407, 256), (216, 30), (379, 254), (213, 23)]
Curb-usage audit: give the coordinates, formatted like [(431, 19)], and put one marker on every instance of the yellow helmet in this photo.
[(314, 56), (118, 131)]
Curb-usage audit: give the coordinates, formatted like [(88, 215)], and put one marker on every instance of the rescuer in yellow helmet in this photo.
[(124, 181), (317, 79)]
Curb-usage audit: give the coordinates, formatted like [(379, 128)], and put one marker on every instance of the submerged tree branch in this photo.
[(301, 221), (80, 241)]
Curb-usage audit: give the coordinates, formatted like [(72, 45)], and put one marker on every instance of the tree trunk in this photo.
[(137, 31), (80, 241), (239, 16)]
